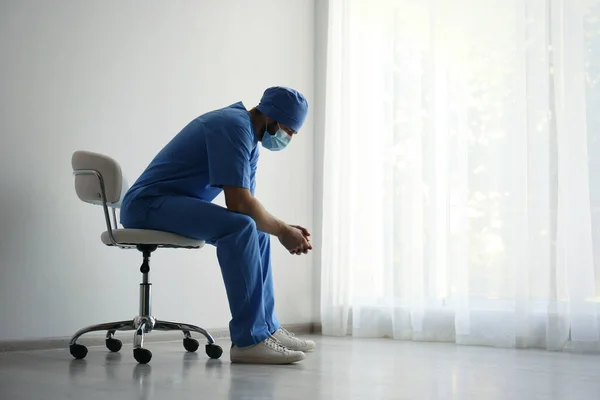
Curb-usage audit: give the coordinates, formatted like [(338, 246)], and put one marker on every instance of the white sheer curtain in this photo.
[(462, 172)]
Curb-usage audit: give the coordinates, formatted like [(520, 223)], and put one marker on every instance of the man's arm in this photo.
[(240, 200)]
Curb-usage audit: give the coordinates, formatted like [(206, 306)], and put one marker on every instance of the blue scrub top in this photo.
[(217, 149)]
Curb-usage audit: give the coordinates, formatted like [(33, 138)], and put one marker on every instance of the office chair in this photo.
[(99, 181)]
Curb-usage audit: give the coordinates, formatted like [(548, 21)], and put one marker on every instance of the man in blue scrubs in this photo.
[(218, 152)]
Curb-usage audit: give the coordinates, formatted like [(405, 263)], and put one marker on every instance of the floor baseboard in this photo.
[(97, 339)]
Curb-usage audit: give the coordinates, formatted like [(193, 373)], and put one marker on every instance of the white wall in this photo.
[(122, 77)]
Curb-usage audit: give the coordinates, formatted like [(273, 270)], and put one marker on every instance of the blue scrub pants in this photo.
[(244, 255)]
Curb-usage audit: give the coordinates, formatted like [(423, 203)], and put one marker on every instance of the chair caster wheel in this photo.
[(78, 351), (214, 350), (190, 344), (113, 345), (143, 356)]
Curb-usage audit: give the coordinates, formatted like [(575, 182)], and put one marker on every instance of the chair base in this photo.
[(144, 324)]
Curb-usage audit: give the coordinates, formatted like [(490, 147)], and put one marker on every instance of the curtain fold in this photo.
[(461, 172)]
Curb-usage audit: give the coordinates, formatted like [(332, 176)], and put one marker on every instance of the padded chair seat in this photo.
[(145, 236)]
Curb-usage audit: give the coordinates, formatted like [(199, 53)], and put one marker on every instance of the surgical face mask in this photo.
[(276, 142)]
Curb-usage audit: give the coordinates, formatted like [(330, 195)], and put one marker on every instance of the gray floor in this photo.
[(340, 369)]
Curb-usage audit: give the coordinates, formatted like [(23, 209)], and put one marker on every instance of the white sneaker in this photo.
[(290, 341), (269, 351)]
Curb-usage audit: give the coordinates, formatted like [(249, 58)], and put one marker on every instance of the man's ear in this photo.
[(267, 125)]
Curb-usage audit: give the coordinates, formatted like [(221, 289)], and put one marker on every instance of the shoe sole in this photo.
[(265, 361)]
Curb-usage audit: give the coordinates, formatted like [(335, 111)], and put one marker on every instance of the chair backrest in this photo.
[(92, 168)]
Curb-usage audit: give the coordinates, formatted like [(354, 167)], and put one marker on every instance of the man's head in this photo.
[(284, 111)]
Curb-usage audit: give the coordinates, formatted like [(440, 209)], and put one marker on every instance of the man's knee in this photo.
[(232, 223), (244, 222)]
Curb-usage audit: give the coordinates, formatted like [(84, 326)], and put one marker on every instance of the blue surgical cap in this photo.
[(284, 105)]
